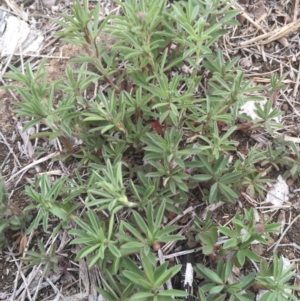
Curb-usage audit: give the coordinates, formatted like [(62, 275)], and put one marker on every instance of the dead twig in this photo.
[(297, 83), (246, 16), (275, 245), (269, 37), (11, 151), (296, 9), (34, 163)]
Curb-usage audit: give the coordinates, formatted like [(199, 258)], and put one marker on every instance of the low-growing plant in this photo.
[(292, 160), (151, 232), (46, 200), (11, 216), (271, 280), (48, 259), (268, 116), (236, 245), (245, 232), (207, 233), (218, 286), (274, 280), (95, 236), (143, 284), (162, 124)]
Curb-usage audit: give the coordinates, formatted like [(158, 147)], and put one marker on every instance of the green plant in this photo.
[(207, 233), (276, 85), (146, 284), (268, 114), (151, 232), (11, 217), (274, 278), (46, 196), (292, 160), (256, 182), (48, 259), (218, 286), (151, 136), (97, 238), (164, 155), (110, 188), (152, 279), (245, 232), (217, 173)]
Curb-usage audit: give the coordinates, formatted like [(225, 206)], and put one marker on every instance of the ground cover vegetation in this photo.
[(160, 129)]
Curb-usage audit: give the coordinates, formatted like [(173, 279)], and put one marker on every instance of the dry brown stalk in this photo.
[(274, 35)]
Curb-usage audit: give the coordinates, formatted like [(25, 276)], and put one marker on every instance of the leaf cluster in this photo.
[(159, 128)]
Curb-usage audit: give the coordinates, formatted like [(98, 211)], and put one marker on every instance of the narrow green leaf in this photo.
[(226, 231), (167, 275), (202, 177), (141, 296), (87, 250), (240, 257), (160, 215), (133, 231), (230, 243), (140, 222), (148, 268), (113, 249), (173, 293), (131, 247), (217, 289), (208, 274), (251, 255)]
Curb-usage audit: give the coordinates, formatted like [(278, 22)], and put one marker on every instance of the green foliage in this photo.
[(96, 239), (220, 178), (151, 279), (45, 197), (267, 115), (110, 188), (145, 284), (274, 278), (245, 232), (292, 160), (48, 259), (217, 284), (151, 232), (207, 233), (11, 217), (152, 135)]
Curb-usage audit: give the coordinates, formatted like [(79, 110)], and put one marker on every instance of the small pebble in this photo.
[(48, 3), (289, 181), (297, 205), (285, 240), (257, 248), (285, 107)]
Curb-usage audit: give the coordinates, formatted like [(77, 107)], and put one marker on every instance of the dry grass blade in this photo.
[(296, 87), (23, 170), (277, 34), (11, 151), (247, 17), (275, 245), (296, 9), (17, 10)]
